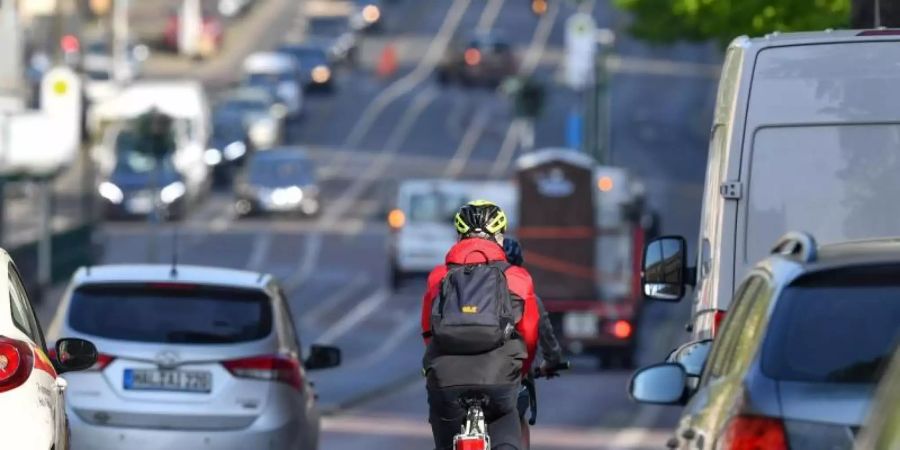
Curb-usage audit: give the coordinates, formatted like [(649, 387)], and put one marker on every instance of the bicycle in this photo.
[(474, 435)]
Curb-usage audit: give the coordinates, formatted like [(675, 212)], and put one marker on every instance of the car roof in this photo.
[(777, 39), (184, 273), (792, 264)]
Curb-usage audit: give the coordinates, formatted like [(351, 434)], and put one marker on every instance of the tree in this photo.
[(863, 15), (666, 21)]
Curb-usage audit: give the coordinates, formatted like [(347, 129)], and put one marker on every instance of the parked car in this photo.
[(281, 180), (881, 430), (32, 405), (130, 189), (799, 354), (234, 8), (316, 68), (484, 59), (337, 35), (191, 357), (280, 75), (840, 145)]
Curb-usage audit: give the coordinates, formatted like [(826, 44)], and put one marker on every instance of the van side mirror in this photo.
[(323, 357), (659, 384), (665, 271)]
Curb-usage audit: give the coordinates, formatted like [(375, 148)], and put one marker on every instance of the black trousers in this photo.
[(447, 415)]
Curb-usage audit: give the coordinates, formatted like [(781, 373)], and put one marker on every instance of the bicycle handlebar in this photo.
[(546, 372)]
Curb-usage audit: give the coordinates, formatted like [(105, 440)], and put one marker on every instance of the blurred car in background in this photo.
[(797, 359), (234, 8), (421, 222), (128, 191), (316, 69), (244, 120), (367, 15), (191, 357), (336, 34), (97, 64), (32, 405), (485, 59), (281, 180), (280, 75), (211, 38), (882, 428)]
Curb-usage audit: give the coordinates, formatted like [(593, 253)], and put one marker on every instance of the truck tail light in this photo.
[(754, 432), (622, 329), (270, 368), (16, 363)]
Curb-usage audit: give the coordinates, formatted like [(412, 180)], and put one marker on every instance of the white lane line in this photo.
[(336, 300), (261, 245), (533, 56), (467, 144), (311, 249), (406, 328), (489, 15), (354, 317)]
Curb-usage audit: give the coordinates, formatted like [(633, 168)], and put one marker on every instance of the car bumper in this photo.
[(308, 206), (123, 211), (93, 437)]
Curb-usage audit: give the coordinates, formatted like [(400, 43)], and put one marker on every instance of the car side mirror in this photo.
[(323, 357), (73, 354), (665, 272), (660, 384)]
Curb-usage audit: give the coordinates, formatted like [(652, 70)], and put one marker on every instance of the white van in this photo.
[(806, 136), (422, 221), (185, 101)]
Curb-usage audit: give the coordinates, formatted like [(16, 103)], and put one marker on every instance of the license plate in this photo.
[(580, 325), (140, 205), (167, 380)]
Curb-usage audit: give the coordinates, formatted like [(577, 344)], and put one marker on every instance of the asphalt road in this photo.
[(372, 132)]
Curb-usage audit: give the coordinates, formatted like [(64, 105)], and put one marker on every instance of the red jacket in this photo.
[(475, 250)]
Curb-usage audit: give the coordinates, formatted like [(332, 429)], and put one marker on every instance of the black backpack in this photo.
[(474, 312)]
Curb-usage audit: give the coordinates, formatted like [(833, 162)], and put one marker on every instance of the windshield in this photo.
[(328, 26), (835, 327), (434, 206), (267, 80), (130, 160), (281, 172), (171, 314), (308, 57)]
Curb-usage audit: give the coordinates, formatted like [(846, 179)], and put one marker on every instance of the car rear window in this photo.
[(175, 313), (837, 326)]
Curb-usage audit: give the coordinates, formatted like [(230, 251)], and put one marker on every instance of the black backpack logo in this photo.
[(474, 312)]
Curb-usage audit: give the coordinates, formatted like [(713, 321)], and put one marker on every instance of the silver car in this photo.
[(190, 357)]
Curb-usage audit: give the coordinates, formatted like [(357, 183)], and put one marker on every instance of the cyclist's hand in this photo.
[(548, 370)]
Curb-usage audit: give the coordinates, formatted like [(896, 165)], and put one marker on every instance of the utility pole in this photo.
[(121, 33), (602, 99), (877, 13)]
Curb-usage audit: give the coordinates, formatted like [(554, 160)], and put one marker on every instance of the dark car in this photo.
[(316, 68), (799, 354), (336, 35), (129, 191), (485, 59), (281, 180)]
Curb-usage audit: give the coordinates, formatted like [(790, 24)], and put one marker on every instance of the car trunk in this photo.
[(823, 415)]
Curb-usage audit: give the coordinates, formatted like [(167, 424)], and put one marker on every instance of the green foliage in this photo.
[(667, 21)]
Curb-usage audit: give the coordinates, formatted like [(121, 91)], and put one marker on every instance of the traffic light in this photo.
[(155, 136), (539, 7)]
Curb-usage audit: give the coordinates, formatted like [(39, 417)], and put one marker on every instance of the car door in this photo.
[(26, 321), (309, 395), (720, 386)]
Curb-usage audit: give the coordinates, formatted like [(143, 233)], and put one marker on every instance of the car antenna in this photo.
[(174, 271)]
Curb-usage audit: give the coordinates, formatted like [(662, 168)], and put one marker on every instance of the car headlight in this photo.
[(173, 191), (235, 150), (263, 133), (212, 156), (287, 196), (371, 14), (321, 74), (111, 192)]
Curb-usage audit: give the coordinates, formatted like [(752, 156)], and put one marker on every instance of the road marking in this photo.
[(347, 292), (261, 245), (489, 16), (311, 249), (354, 317), (407, 325), (638, 432), (562, 438), (532, 58), (467, 143)]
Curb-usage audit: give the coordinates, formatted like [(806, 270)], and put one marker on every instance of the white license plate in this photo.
[(140, 205), (580, 325), (167, 380)]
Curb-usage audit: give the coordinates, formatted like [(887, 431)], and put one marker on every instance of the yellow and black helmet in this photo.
[(480, 216)]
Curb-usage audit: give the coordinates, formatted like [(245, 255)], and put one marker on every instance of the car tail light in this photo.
[(69, 43), (718, 317), (272, 368), (472, 56), (621, 329), (16, 363), (753, 433)]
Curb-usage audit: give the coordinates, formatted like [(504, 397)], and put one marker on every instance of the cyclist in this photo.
[(456, 364)]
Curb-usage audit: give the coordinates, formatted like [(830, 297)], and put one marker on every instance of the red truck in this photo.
[(580, 227)]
